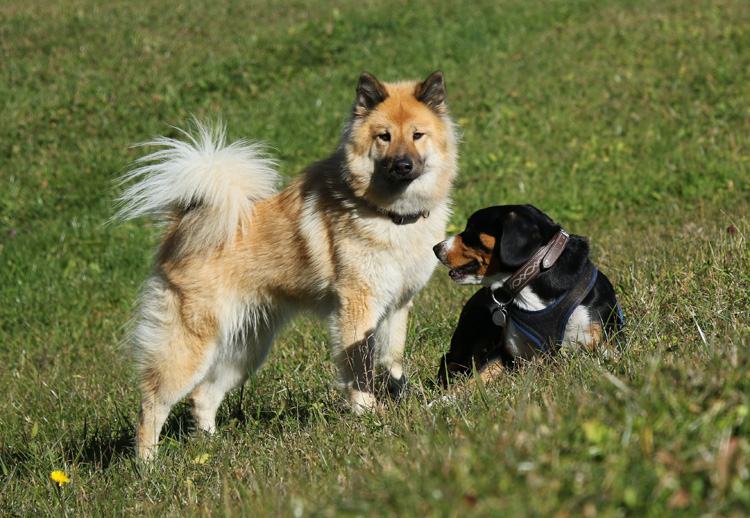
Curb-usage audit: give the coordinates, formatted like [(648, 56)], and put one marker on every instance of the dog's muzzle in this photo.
[(403, 169), (439, 250)]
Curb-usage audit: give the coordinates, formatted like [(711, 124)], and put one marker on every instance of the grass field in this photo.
[(627, 121)]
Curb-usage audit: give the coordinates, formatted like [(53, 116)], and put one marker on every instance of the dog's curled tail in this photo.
[(207, 186)]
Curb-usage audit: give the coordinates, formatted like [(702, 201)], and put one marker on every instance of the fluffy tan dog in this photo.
[(350, 239)]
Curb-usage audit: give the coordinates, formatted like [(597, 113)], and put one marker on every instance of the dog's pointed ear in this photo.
[(431, 92), (370, 93), (521, 238)]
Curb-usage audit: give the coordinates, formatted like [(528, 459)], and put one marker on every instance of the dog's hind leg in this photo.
[(165, 381), (174, 343), (390, 339), (207, 396), (240, 358)]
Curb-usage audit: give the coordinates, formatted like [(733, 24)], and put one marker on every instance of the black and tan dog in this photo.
[(542, 292)]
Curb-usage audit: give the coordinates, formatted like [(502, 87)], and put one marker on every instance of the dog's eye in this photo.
[(418, 135), (469, 239), (385, 137)]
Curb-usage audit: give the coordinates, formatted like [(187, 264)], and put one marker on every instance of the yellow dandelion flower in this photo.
[(59, 477), (202, 459)]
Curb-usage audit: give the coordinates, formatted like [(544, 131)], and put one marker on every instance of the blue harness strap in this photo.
[(546, 328)]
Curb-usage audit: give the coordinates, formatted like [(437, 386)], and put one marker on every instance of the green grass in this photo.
[(628, 122)]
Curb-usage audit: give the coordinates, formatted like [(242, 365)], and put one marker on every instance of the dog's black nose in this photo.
[(402, 167), (436, 249)]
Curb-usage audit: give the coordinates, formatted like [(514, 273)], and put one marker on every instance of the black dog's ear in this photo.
[(431, 92), (521, 237), (370, 93)]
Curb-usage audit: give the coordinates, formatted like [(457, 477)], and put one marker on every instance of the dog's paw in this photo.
[(398, 388), (362, 402)]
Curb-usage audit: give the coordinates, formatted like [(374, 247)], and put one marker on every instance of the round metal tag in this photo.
[(498, 317)]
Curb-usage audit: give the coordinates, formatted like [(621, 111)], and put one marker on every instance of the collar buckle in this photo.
[(405, 219)]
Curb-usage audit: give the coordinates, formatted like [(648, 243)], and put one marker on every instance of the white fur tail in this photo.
[(213, 183)]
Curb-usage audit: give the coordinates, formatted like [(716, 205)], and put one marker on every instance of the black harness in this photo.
[(545, 328)]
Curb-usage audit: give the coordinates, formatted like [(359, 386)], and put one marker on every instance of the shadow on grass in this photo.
[(247, 406), (101, 445), (111, 440)]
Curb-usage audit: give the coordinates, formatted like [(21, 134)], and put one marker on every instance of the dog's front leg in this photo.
[(353, 340), (390, 339)]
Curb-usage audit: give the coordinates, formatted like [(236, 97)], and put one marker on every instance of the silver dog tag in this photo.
[(498, 317)]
